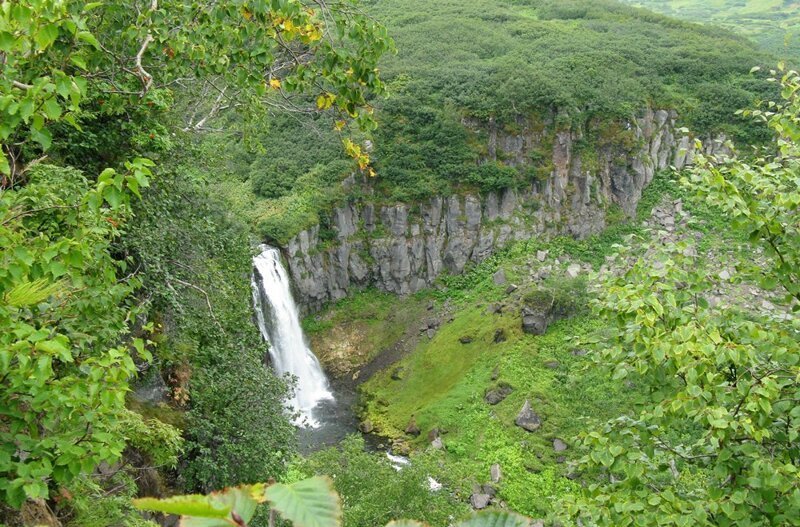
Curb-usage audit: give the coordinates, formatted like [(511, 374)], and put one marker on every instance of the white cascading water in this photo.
[(287, 345)]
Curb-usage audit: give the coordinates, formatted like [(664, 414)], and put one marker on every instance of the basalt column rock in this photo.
[(402, 248)]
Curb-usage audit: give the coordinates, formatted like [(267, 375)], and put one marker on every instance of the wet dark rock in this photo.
[(527, 419), (466, 339), (511, 288), (366, 426), (499, 336)]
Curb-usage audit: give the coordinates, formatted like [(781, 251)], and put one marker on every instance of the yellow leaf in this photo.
[(275, 84), (339, 126), (325, 101)]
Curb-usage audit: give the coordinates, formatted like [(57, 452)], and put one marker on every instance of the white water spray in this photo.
[(279, 322)]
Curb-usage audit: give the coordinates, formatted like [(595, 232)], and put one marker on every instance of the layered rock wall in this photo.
[(402, 248)]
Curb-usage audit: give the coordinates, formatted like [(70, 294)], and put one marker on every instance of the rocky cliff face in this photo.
[(403, 248)]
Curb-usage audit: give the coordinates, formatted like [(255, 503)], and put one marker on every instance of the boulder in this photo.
[(497, 395), (534, 322), (366, 426), (479, 501), (559, 445), (412, 429), (499, 336), (541, 255), (466, 339), (495, 473), (511, 288), (438, 444), (573, 270), (433, 434), (489, 490), (499, 278), (527, 419)]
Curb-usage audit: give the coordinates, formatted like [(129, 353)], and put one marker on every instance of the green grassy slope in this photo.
[(558, 63), (774, 24), (443, 381)]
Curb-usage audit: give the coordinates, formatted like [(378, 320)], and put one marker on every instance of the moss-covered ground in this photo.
[(441, 384)]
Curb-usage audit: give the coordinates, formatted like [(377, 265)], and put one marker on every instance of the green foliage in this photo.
[(774, 24), (374, 492), (195, 265), (510, 75), (306, 503), (718, 442), (276, 179), (493, 177), (102, 501), (61, 53), (67, 305)]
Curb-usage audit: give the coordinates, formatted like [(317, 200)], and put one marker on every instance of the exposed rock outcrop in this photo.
[(402, 248)]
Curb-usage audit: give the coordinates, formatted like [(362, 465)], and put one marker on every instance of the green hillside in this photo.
[(774, 24), (569, 61)]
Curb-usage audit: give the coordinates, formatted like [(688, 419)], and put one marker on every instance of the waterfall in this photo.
[(279, 322)]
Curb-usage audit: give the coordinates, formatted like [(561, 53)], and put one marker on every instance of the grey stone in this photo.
[(559, 445), (366, 426), (497, 395), (466, 339), (527, 419), (495, 473), (479, 501), (552, 365), (499, 336), (437, 443), (573, 270), (511, 288), (499, 278), (403, 248), (534, 323)]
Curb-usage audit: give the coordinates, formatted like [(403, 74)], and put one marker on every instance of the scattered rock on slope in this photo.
[(412, 428), (496, 395), (527, 419)]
